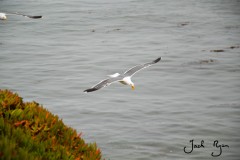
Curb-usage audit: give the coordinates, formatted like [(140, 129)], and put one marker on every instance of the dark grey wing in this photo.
[(137, 68), (33, 17), (102, 84)]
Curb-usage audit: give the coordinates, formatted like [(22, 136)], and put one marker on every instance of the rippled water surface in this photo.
[(192, 93)]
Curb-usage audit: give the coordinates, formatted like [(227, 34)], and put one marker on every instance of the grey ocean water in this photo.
[(193, 93)]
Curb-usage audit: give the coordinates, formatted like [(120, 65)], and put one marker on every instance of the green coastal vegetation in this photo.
[(28, 131)]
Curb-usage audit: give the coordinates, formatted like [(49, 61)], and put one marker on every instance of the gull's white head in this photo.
[(3, 16), (114, 75), (132, 85)]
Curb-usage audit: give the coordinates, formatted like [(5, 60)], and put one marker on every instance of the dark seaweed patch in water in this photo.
[(233, 47), (206, 61), (217, 50), (222, 50), (183, 24)]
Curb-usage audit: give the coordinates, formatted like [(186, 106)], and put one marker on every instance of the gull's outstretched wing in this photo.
[(29, 16), (102, 84), (137, 68)]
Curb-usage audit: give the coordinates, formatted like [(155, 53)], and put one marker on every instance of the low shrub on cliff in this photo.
[(28, 131)]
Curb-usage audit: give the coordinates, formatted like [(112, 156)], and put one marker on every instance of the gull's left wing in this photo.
[(102, 84), (29, 16)]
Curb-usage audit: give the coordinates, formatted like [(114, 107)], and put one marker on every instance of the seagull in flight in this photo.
[(124, 78), (3, 16)]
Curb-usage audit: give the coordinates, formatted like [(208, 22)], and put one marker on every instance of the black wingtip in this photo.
[(89, 90), (35, 17), (157, 60)]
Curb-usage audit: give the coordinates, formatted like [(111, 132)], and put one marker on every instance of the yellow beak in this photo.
[(133, 87)]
